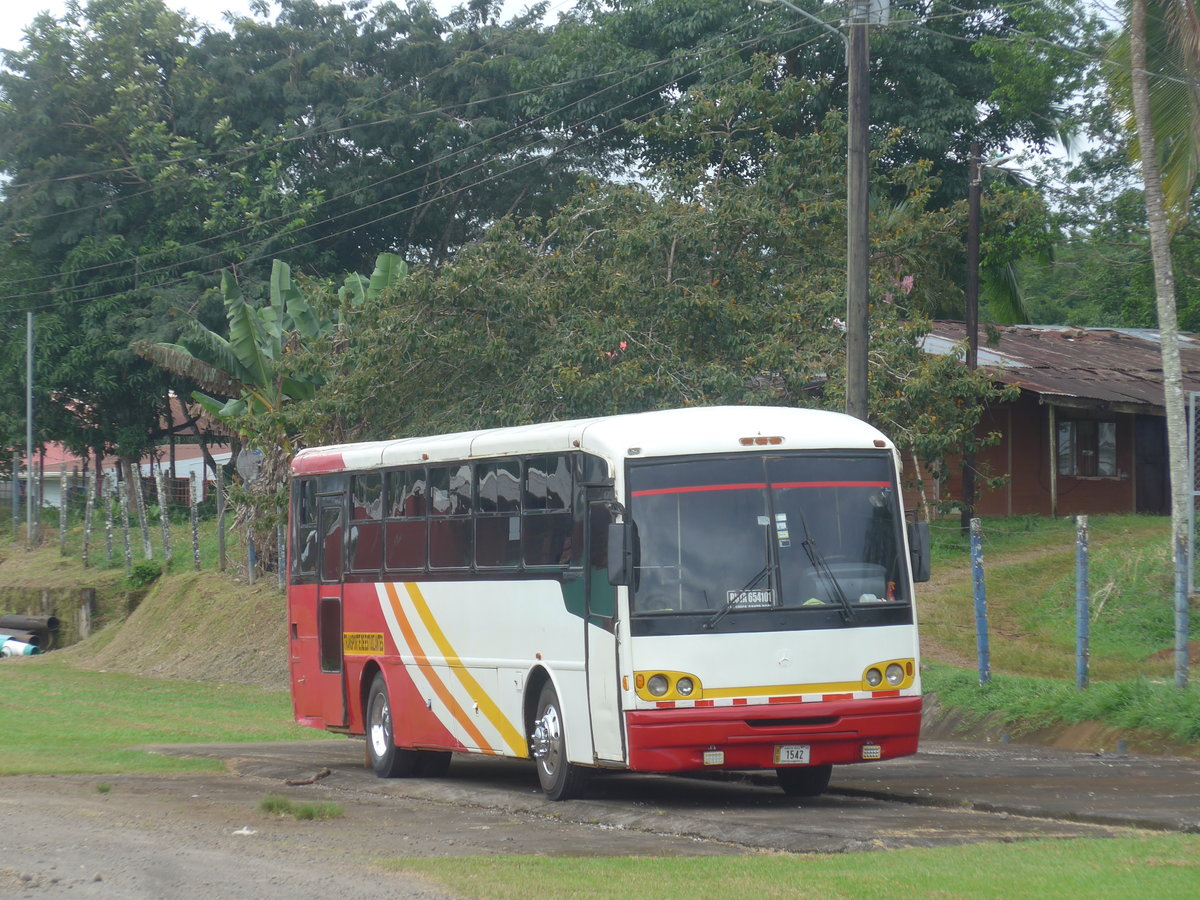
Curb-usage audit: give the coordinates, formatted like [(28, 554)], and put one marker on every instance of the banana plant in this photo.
[(239, 375)]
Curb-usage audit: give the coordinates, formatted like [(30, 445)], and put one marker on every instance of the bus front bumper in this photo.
[(760, 736)]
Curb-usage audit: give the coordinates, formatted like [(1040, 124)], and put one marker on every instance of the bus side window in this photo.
[(366, 531), (498, 514), (450, 522), (549, 520), (304, 529), (404, 507)]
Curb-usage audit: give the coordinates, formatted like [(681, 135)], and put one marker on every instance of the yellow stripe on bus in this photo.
[(435, 681), (512, 737)]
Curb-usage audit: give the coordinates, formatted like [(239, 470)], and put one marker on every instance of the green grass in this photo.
[(64, 720), (1026, 704), (275, 805), (179, 529), (1029, 576), (1161, 866)]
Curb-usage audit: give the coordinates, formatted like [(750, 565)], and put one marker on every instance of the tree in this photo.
[(702, 288), (944, 74), (246, 371), (123, 186), (1174, 152)]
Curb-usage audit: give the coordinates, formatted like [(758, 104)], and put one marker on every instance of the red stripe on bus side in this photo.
[(828, 697), (698, 489), (704, 488), (820, 484)]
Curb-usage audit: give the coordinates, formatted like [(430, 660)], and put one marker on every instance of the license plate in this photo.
[(791, 754)]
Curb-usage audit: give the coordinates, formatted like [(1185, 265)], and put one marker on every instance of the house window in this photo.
[(1087, 448)]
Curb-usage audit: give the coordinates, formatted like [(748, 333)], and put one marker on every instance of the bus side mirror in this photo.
[(622, 536), (918, 550)]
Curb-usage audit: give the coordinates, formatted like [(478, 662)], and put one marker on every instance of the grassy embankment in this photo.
[(149, 678), (1029, 567), (212, 627)]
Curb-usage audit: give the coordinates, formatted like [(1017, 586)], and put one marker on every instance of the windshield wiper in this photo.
[(822, 568), (735, 596)]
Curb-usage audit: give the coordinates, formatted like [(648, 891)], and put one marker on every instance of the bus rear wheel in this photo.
[(388, 760), (804, 781), (560, 780)]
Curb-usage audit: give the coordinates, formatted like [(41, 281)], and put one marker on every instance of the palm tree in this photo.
[(1164, 45)]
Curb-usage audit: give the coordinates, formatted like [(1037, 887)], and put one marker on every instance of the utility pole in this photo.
[(29, 498), (858, 116), (974, 190)]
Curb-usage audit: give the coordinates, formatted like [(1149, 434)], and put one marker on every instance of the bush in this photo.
[(143, 574)]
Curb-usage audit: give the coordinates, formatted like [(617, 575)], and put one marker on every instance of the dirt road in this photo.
[(184, 836)]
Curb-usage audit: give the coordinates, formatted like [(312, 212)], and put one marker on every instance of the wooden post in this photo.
[(124, 496), (62, 509), (981, 623), (221, 561), (163, 509), (135, 471), (1082, 615), (108, 517), (88, 508), (194, 514)]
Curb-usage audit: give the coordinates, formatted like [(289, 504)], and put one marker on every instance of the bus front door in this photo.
[(604, 695), (332, 678)]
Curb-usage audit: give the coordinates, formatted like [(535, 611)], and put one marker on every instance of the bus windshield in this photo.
[(798, 531)]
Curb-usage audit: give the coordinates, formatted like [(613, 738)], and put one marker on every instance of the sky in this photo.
[(16, 15)]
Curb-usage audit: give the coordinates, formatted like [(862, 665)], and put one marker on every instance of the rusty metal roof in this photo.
[(1093, 366)]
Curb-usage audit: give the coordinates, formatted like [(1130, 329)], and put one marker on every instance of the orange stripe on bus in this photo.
[(511, 736), (435, 681)]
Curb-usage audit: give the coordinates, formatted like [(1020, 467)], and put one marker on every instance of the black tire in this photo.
[(560, 780), (388, 760), (804, 781)]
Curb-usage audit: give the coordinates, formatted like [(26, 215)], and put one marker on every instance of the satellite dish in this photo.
[(249, 462)]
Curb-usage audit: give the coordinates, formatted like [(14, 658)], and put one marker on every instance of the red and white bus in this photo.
[(706, 588)]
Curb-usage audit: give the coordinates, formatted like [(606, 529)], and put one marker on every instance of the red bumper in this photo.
[(674, 740)]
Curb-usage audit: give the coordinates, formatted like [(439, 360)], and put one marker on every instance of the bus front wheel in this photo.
[(560, 780), (804, 781), (388, 760)]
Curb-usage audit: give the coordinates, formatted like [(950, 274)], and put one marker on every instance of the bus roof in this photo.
[(671, 432)]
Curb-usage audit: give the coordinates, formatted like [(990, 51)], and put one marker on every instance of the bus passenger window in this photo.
[(406, 494), (548, 540), (498, 519), (450, 523), (548, 483), (366, 497)]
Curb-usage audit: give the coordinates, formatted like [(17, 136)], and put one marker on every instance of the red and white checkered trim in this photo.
[(766, 701)]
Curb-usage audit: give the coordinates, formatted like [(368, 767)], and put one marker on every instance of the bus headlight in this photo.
[(874, 677), (895, 674), (667, 685)]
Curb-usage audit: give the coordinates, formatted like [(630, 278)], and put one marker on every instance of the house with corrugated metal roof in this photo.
[(1087, 434)]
